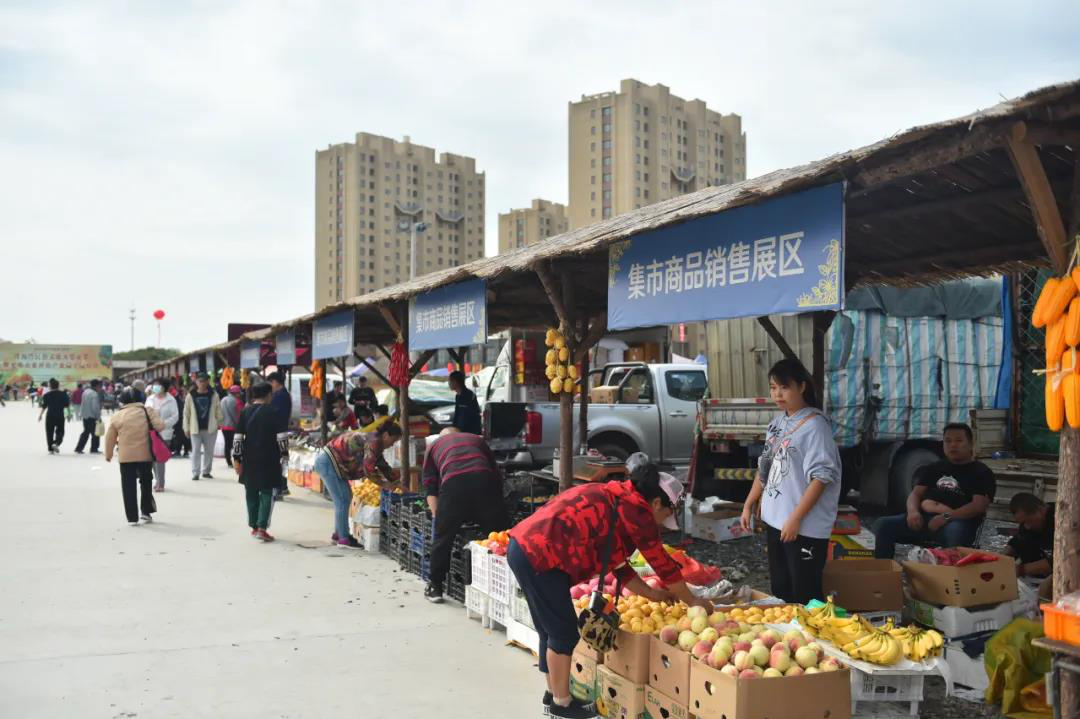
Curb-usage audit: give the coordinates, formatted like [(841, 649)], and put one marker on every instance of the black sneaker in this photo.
[(546, 703), (207, 475), (433, 593), (576, 710), (194, 478)]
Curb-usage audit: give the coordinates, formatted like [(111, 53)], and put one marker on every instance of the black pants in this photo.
[(54, 430), (467, 498), (144, 473), (181, 443), (88, 426), (795, 567), (228, 434)]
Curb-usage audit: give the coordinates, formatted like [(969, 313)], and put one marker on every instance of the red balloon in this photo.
[(159, 314)]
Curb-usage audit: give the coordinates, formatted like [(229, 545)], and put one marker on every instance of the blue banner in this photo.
[(332, 336), (209, 361), (453, 316), (285, 347), (780, 256), (249, 354)]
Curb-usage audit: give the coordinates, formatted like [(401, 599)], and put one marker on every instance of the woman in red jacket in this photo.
[(563, 544)]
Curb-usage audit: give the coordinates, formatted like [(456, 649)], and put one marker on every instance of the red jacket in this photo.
[(569, 533)]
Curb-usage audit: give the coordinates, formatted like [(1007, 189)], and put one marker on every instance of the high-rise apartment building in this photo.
[(369, 196), (529, 225), (640, 145)]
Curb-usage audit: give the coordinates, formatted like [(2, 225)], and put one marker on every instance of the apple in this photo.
[(687, 640), (817, 648), (751, 673), (796, 643), (729, 627), (758, 643), (781, 648), (669, 635), (696, 611), (708, 635), (760, 655), (741, 646), (742, 660), (794, 671), (725, 640), (730, 670), (744, 628), (792, 634), (806, 657), (699, 624), (771, 673), (770, 637), (701, 649), (779, 661), (720, 654), (829, 664), (811, 670)]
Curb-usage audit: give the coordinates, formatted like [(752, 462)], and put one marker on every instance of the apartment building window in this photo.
[(607, 161), (637, 109), (607, 212), (606, 112), (592, 130), (637, 175), (592, 112), (637, 141), (645, 111), (607, 128), (607, 194), (637, 192), (592, 180), (592, 212), (637, 159), (607, 178), (592, 162), (646, 177), (607, 144)]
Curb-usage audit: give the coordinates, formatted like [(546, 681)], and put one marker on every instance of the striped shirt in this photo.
[(454, 455)]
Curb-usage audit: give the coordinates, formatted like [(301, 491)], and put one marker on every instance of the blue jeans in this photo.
[(340, 492), (888, 531)]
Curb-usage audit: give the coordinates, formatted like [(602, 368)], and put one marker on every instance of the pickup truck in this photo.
[(655, 411)]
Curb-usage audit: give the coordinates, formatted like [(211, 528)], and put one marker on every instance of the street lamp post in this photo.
[(414, 231)]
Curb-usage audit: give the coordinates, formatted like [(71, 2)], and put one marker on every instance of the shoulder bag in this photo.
[(158, 449), (598, 623)]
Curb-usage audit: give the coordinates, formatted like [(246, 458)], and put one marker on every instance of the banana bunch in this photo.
[(854, 635), (559, 370), (367, 492), (815, 620), (877, 647), (918, 643)]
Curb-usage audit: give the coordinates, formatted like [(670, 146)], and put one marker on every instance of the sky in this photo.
[(161, 155)]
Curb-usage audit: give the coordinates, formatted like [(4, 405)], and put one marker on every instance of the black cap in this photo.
[(202, 375)]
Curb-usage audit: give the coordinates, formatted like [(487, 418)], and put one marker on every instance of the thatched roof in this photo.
[(934, 202)]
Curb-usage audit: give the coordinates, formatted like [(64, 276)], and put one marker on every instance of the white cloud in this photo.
[(163, 155)]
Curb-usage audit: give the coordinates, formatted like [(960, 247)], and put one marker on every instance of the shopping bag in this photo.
[(99, 429)]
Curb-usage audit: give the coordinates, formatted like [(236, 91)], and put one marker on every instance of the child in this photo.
[(799, 476), (258, 449)]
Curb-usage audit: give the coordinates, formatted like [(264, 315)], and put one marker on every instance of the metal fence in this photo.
[(1034, 437)]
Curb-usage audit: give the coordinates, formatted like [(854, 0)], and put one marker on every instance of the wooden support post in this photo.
[(822, 321), (1067, 511), (421, 360), (566, 399), (774, 334), (592, 332), (1040, 195)]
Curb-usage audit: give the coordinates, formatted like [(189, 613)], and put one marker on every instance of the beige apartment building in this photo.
[(371, 193), (529, 225), (641, 145)]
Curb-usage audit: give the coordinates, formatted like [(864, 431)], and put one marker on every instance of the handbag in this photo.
[(598, 623), (99, 429), (158, 449)]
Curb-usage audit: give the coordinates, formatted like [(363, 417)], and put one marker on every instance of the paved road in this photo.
[(190, 617)]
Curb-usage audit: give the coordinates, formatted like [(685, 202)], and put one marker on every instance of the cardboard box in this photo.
[(852, 546), (660, 706), (872, 585), (669, 670), (586, 651), (714, 695), (609, 394), (620, 697), (630, 658), (583, 677), (970, 586), (721, 523)]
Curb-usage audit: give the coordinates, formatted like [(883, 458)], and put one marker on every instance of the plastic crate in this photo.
[(480, 565), (425, 568), (1061, 625), (523, 636), (455, 587), (476, 603), (955, 622), (499, 614), (388, 500), (500, 579), (519, 609), (904, 688)]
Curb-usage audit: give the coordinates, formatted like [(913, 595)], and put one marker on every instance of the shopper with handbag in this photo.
[(131, 436), (90, 409), (258, 448), (584, 532), (165, 405)]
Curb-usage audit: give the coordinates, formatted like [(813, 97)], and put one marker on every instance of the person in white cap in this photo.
[(564, 543)]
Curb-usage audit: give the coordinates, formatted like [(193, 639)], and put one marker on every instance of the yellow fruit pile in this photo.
[(559, 370), (227, 377), (781, 614), (1058, 310), (918, 643), (245, 378), (318, 376), (855, 636), (367, 492)]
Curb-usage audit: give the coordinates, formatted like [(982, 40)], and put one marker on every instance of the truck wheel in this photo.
[(613, 448), (902, 474)]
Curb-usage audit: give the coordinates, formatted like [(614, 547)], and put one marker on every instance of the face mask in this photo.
[(157, 389)]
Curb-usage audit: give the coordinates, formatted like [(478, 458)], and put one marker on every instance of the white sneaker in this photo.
[(146, 518), (133, 524)]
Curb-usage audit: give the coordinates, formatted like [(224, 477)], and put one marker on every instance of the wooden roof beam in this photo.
[(1040, 195), (943, 152)]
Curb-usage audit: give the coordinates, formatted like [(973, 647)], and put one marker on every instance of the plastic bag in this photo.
[(1015, 667)]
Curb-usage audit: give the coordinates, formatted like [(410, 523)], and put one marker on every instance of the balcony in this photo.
[(408, 208), (683, 174), (453, 217)]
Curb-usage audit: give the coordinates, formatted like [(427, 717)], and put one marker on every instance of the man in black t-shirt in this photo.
[(53, 404), (1033, 545), (362, 396), (466, 408), (947, 504)]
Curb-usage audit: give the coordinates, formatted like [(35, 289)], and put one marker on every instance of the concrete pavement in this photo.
[(190, 617)]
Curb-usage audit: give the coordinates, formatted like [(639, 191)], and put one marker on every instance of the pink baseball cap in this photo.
[(673, 488)]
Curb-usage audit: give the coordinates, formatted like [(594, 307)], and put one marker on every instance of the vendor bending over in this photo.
[(562, 544), (1033, 544), (462, 485), (948, 502)]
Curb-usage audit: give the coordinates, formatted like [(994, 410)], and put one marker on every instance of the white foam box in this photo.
[(964, 670), (958, 621), (369, 537)]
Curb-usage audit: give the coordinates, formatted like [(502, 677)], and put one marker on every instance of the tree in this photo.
[(148, 354)]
